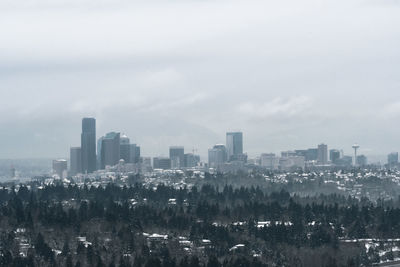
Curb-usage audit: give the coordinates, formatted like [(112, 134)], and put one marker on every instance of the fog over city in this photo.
[(288, 74)]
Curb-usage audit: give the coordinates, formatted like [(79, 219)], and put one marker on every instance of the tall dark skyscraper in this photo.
[(125, 148), (88, 145), (234, 145)]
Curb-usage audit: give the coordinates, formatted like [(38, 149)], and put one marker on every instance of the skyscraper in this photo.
[(191, 160), (177, 156), (334, 155), (75, 160), (88, 145), (134, 152), (217, 156), (98, 156), (234, 145), (125, 150), (110, 149), (322, 154)]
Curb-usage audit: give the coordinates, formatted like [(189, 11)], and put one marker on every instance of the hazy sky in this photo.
[(290, 74)]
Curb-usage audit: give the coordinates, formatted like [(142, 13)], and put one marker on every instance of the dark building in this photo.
[(177, 156), (234, 145), (134, 151), (125, 148), (311, 154), (98, 156), (75, 161), (191, 160), (334, 155), (162, 163), (308, 154), (88, 145), (110, 149)]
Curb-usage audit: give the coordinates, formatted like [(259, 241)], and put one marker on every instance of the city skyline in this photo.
[(112, 148), (194, 133), (255, 154)]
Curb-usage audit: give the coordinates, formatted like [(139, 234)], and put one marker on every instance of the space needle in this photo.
[(355, 147)]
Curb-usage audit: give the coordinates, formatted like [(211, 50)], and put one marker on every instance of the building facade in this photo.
[(75, 160), (234, 145), (269, 161), (161, 163), (110, 149), (191, 160), (134, 151), (60, 167), (88, 145), (177, 156), (217, 156), (334, 155), (124, 148), (322, 154)]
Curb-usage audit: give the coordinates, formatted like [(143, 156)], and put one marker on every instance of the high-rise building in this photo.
[(322, 154), (134, 153), (393, 159), (75, 160), (177, 156), (110, 149), (191, 160), (334, 155), (234, 145), (217, 156), (60, 167), (312, 154), (162, 163), (124, 148), (88, 145), (98, 156)]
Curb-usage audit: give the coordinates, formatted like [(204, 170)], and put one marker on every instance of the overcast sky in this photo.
[(290, 74)]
